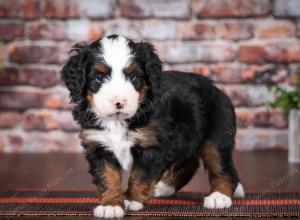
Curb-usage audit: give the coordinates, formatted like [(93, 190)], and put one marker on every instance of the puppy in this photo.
[(135, 116)]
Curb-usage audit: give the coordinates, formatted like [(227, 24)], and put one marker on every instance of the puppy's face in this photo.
[(113, 76), (116, 82)]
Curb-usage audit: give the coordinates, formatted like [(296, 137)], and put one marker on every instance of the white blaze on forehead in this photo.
[(116, 53)]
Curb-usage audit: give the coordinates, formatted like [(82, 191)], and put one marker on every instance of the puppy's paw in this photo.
[(217, 200), (109, 211), (133, 205), (163, 189)]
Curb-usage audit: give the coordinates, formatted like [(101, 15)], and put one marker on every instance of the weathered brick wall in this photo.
[(244, 45)]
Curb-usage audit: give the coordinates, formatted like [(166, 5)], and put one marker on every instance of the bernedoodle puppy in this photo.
[(157, 124)]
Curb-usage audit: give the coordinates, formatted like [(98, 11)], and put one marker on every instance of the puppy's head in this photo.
[(113, 75)]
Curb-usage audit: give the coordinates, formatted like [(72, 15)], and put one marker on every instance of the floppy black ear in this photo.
[(74, 72), (153, 64)]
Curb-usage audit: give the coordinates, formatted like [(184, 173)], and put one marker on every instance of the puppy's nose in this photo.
[(119, 103)]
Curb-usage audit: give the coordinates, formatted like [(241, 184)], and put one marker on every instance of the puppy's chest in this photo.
[(116, 138)]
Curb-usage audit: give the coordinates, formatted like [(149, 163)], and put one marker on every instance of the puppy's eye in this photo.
[(132, 77), (99, 78)]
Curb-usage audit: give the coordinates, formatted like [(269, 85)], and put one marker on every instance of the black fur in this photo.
[(187, 109)]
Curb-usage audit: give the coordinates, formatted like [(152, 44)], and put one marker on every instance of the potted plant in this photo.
[(289, 102)]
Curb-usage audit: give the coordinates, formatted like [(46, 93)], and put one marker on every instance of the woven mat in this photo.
[(81, 203)]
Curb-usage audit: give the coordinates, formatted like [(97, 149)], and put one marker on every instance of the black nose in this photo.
[(119, 105)]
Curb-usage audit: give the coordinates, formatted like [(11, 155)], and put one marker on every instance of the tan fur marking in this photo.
[(102, 68), (148, 135), (142, 93), (169, 177), (112, 195), (218, 180), (130, 68), (89, 98), (138, 190)]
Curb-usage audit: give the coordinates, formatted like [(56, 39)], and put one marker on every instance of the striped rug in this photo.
[(81, 203)]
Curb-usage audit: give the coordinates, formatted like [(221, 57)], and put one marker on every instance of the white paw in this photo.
[(133, 205), (217, 200), (162, 189), (109, 211)]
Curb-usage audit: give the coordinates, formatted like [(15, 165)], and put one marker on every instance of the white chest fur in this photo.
[(116, 138)]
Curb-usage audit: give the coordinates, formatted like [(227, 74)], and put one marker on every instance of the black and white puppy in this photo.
[(135, 116)]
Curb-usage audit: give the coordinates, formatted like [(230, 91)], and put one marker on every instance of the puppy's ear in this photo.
[(153, 64), (74, 71)]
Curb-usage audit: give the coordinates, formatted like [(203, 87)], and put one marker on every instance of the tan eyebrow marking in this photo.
[(101, 67), (130, 68)]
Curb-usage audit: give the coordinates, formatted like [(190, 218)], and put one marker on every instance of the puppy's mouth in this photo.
[(119, 114)]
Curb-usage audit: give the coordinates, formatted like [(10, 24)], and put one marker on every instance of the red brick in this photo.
[(66, 121), (224, 73), (71, 8), (283, 52), (8, 76), (9, 119), (95, 32), (48, 120), (21, 99), (249, 139), (57, 98), (196, 31), (28, 53), (267, 74), (36, 76), (201, 69), (46, 30), (275, 29), (11, 31), (55, 8), (9, 8), (252, 53), (247, 95), (279, 52), (195, 52), (39, 120), (232, 8), (29, 9), (244, 117), (236, 93), (270, 118), (15, 142), (153, 8), (235, 31)]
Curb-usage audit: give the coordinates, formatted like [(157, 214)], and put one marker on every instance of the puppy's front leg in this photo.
[(140, 189), (106, 174)]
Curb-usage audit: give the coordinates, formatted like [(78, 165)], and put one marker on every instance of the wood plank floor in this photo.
[(259, 171)]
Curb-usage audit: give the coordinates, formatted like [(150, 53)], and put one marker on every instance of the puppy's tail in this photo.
[(239, 191)]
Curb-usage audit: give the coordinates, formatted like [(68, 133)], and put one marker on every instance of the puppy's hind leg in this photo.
[(222, 176), (176, 177)]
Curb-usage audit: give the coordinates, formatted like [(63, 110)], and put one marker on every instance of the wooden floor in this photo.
[(259, 171)]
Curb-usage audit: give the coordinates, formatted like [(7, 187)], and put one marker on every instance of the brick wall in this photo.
[(244, 45)]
